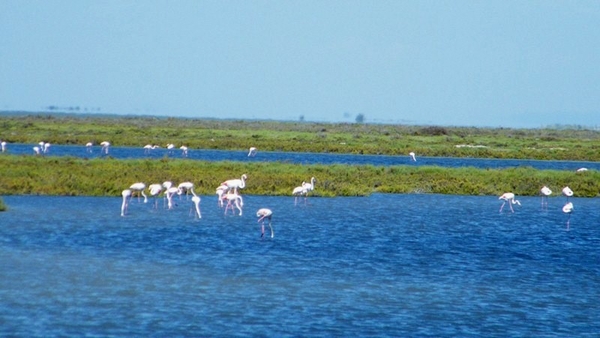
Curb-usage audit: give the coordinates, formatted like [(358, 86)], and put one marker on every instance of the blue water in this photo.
[(306, 158), (384, 265)]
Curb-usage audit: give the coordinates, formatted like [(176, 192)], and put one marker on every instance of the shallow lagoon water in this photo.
[(384, 265), (305, 158)]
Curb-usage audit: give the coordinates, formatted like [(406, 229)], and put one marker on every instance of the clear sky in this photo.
[(457, 63)]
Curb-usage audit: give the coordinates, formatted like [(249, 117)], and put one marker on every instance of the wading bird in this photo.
[(412, 156), (105, 145), (510, 198), (567, 192), (545, 192), (236, 183), (126, 196), (568, 209), (187, 187), (196, 206), (139, 188), (252, 152), (184, 151), (88, 147), (155, 190), (3, 145), (233, 199), (265, 214), (299, 191)]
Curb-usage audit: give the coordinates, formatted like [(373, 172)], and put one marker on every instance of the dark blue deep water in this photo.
[(385, 265), (304, 158)]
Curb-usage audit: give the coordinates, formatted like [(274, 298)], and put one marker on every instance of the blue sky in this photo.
[(461, 63)]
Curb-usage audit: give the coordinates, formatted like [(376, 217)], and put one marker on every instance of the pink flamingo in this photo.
[(139, 188), (567, 192), (299, 191), (236, 183), (510, 198), (233, 199), (155, 190), (264, 214)]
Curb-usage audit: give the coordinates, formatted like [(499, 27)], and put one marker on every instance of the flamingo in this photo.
[(166, 185), (567, 192), (299, 191), (169, 194), (412, 156), (126, 196), (580, 170), (510, 198), (568, 209), (233, 199), (184, 151), (265, 213), (149, 147), (170, 147), (252, 152), (105, 145), (309, 186), (155, 190), (88, 147), (188, 187), (236, 183), (545, 191), (36, 150), (220, 191), (46, 148), (139, 187), (3, 145), (196, 201)]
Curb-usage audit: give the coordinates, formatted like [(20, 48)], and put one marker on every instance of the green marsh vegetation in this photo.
[(352, 138), (108, 177)]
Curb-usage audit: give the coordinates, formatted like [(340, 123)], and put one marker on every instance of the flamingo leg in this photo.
[(502, 206)]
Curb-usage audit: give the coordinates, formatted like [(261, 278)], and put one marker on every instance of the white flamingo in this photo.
[(169, 194), (545, 191), (88, 147), (3, 145), (568, 209), (196, 206), (236, 183), (233, 199), (187, 187), (155, 190), (412, 156), (105, 145), (252, 152), (299, 191), (510, 198), (139, 188), (46, 147), (36, 150), (149, 147), (126, 196), (170, 147), (184, 151), (263, 215), (222, 189), (567, 192)]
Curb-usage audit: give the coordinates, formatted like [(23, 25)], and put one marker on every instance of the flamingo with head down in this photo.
[(510, 198), (263, 215)]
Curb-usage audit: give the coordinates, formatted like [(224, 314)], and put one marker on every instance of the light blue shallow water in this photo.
[(384, 265), (305, 158)]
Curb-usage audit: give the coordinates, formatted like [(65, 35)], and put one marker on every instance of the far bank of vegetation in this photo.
[(353, 138), (108, 177)]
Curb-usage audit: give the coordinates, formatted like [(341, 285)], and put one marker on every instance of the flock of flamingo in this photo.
[(545, 192), (228, 197)]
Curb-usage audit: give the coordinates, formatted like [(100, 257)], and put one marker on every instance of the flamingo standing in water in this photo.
[(88, 147), (233, 199), (236, 183), (568, 209), (252, 152), (105, 145), (3, 145), (196, 205), (222, 189), (126, 196), (169, 194), (155, 190), (545, 191), (412, 156), (187, 187), (264, 214), (510, 198), (36, 150), (567, 192), (139, 188), (184, 151), (299, 191)]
